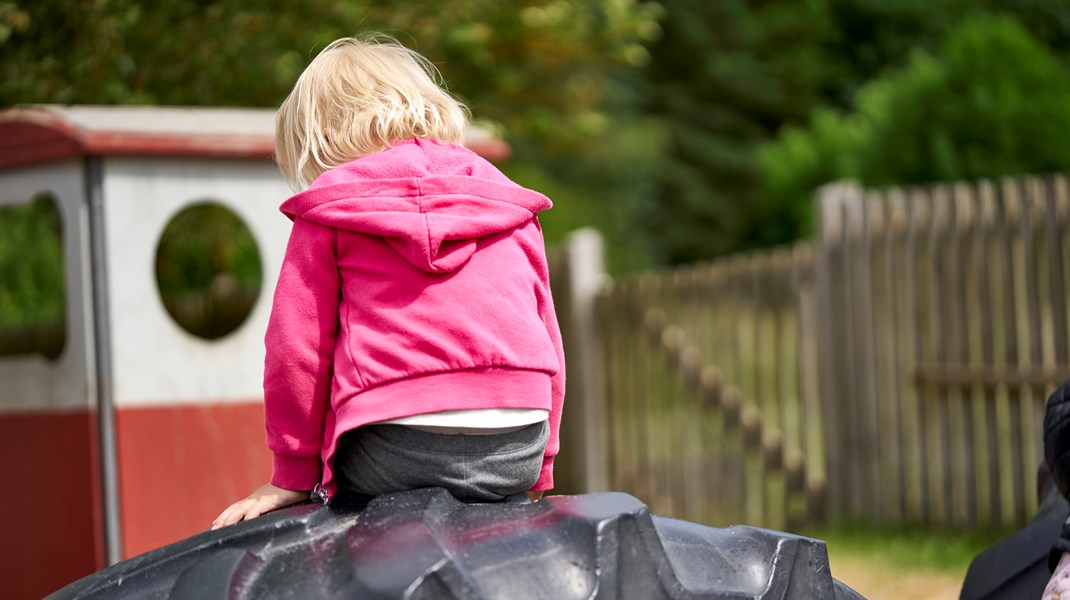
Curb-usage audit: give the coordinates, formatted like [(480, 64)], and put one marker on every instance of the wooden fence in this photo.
[(711, 416), (893, 370), (944, 329)]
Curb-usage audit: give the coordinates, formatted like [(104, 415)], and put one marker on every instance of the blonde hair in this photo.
[(357, 97)]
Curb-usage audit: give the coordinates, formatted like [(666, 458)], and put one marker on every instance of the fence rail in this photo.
[(894, 369)]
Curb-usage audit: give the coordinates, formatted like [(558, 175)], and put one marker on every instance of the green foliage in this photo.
[(31, 283), (541, 69), (645, 119), (726, 77), (32, 288), (208, 270), (608, 187), (991, 103), (203, 245)]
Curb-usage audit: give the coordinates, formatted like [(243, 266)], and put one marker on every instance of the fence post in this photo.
[(585, 409), (836, 376)]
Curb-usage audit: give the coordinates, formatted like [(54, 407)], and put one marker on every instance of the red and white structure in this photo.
[(138, 433)]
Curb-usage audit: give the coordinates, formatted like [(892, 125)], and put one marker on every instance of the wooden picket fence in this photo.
[(710, 417), (945, 328), (894, 369)]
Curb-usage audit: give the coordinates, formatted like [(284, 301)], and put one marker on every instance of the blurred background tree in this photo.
[(992, 102), (645, 119), (541, 69), (729, 77), (32, 285)]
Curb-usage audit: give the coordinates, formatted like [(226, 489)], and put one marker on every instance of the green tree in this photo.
[(32, 289), (540, 67), (727, 76), (992, 102)]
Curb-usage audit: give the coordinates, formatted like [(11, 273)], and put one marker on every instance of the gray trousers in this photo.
[(381, 459)]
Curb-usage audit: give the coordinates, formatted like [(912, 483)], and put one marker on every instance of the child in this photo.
[(412, 340)]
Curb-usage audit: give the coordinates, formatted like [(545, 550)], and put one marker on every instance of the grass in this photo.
[(908, 548), (901, 562)]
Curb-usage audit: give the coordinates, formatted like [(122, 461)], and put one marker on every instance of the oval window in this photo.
[(208, 270)]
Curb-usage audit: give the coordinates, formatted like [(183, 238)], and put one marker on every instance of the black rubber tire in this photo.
[(424, 544)]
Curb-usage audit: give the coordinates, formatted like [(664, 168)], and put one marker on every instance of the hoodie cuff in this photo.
[(295, 472), (546, 476)]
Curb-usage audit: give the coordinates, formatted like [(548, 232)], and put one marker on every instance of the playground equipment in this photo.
[(423, 544), (133, 429)]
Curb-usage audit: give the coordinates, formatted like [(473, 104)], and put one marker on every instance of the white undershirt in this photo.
[(474, 422)]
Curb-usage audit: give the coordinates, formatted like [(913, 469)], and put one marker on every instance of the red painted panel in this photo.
[(32, 143), (180, 466), (49, 514)]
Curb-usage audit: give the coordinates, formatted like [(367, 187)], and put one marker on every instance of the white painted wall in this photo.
[(154, 360), (33, 382)]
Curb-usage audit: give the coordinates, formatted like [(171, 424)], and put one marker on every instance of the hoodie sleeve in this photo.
[(557, 386), (300, 346)]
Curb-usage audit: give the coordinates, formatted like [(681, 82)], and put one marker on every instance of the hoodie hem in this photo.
[(492, 387)]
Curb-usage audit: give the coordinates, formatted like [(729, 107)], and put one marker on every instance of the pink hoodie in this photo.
[(415, 281)]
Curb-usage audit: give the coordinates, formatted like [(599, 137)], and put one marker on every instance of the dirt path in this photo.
[(877, 583)]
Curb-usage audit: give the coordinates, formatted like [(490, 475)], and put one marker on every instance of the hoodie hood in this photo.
[(429, 200)]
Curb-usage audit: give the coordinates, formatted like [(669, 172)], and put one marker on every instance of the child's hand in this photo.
[(266, 498), (534, 496)]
